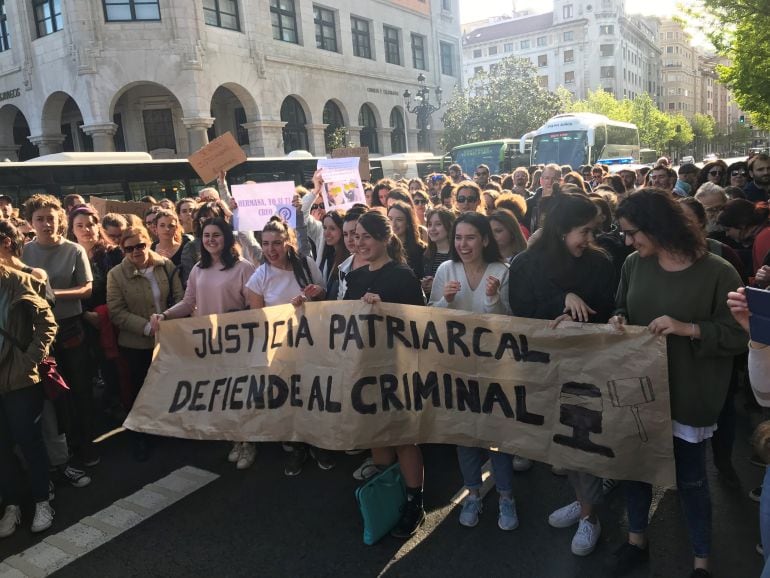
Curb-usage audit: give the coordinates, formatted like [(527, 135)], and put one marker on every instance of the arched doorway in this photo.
[(368, 122), (14, 133), (62, 116), (334, 121), (232, 106), (398, 135), (294, 132)]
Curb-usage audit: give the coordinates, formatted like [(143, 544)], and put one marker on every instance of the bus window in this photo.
[(564, 148)]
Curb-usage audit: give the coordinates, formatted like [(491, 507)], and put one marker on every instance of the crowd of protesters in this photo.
[(86, 294)]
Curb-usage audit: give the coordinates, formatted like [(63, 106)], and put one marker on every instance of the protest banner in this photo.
[(104, 206), (343, 375), (257, 202), (361, 153), (342, 186), (221, 154)]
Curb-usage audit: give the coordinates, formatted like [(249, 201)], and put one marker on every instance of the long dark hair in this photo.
[(378, 226), (335, 254), (229, 256), (101, 245), (508, 220), (447, 218), (657, 215), (567, 211), (412, 241), (205, 211), (298, 263), (490, 253), (9, 230)]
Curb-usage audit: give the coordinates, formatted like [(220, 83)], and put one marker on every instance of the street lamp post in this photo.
[(424, 109)]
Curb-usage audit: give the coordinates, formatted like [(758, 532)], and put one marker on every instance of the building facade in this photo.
[(166, 76), (582, 45), (681, 74)]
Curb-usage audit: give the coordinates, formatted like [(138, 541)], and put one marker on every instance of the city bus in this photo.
[(131, 176), (501, 155), (582, 139)]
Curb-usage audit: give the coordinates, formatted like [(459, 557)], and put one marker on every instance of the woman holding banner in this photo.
[(217, 284), (690, 286), (287, 277), (143, 284), (387, 279), (563, 275), (475, 278), (354, 260)]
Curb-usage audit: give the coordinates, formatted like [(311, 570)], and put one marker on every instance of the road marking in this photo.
[(58, 550)]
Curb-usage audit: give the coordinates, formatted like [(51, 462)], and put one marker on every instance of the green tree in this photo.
[(505, 104), (738, 30), (681, 135), (703, 129), (655, 127), (336, 139), (602, 102)]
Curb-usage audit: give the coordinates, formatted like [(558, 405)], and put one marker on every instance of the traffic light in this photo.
[(742, 119)]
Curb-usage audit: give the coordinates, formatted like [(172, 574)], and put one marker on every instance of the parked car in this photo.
[(710, 158)]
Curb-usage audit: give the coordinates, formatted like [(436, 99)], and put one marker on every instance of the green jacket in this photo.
[(28, 318), (130, 301)]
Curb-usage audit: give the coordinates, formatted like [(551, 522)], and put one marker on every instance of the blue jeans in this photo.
[(693, 489), (20, 423), (471, 460)]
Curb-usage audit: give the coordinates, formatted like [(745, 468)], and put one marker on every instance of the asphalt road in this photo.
[(260, 523)]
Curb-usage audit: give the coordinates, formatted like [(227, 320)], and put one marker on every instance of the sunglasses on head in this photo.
[(138, 247), (316, 206), (468, 199)]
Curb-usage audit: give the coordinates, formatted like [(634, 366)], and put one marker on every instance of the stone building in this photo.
[(582, 45), (166, 76)]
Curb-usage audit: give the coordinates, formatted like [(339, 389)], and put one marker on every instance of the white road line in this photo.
[(58, 550)]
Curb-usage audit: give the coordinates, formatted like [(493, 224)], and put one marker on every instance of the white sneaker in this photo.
[(9, 521), (586, 537), (508, 519), (235, 453), (472, 507), (43, 517), (565, 517), (248, 454), (521, 464)]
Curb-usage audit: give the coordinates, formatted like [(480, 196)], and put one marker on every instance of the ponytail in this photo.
[(396, 250)]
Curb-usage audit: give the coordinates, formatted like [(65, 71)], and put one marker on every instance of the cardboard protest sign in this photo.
[(104, 206), (344, 375), (342, 186), (221, 154), (361, 153), (257, 202)]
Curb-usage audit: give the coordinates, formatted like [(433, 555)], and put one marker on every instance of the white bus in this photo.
[(583, 138)]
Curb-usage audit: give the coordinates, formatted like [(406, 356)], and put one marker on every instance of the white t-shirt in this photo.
[(468, 299), (278, 286)]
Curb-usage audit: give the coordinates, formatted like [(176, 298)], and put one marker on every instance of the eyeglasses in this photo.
[(138, 247), (420, 202), (628, 234), (468, 199), (738, 173), (716, 173), (316, 207)]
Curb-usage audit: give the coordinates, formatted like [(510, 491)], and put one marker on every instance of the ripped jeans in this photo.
[(693, 489)]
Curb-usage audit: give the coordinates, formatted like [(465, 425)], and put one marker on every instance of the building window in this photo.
[(118, 138), (368, 124), (284, 18), (221, 13), (542, 41), (398, 135), (159, 129), (542, 60), (446, 5), (332, 118), (492, 50), (569, 56), (5, 40), (671, 106), (47, 16), (294, 131), (607, 72), (392, 45), (606, 50), (362, 40), (325, 29), (447, 58), (125, 10), (569, 36), (524, 44), (569, 77), (607, 29), (418, 52), (241, 134), (478, 70), (566, 11), (542, 81), (508, 47), (493, 68)]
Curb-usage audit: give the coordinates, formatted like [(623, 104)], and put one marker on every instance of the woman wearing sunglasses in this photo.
[(467, 197), (142, 285), (739, 174), (713, 172)]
